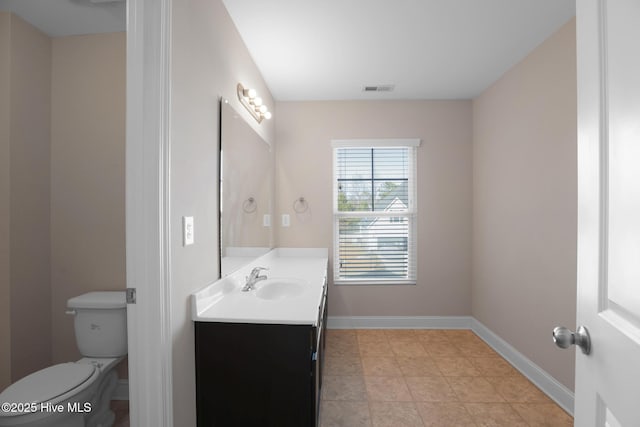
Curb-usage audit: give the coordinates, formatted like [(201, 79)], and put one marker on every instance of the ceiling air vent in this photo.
[(379, 88)]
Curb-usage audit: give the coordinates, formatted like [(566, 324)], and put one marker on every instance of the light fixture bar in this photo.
[(253, 103)]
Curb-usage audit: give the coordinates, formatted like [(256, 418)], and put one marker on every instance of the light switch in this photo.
[(285, 220), (187, 230), (266, 220)]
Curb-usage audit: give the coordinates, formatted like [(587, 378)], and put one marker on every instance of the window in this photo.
[(374, 211)]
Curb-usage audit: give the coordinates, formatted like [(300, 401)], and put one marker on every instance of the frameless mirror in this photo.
[(246, 189)]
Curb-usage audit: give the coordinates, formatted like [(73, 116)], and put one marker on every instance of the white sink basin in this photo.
[(272, 289)]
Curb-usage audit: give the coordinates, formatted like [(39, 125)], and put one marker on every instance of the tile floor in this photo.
[(121, 409), (427, 378)]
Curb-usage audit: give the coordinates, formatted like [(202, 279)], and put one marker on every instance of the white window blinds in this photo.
[(375, 211)]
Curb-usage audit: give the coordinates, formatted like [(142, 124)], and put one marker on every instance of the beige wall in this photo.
[(87, 175), (61, 186), (208, 60), (524, 203), (25, 109), (304, 168), (5, 171), (30, 197)]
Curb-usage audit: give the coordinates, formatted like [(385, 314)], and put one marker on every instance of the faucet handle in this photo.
[(257, 270)]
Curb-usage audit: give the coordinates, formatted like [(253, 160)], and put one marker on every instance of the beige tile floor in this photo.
[(427, 378)]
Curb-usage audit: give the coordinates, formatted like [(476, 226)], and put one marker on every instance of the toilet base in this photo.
[(101, 414)]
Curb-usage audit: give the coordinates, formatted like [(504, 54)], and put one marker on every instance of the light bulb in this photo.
[(257, 102), (249, 93), (263, 109), (267, 115)]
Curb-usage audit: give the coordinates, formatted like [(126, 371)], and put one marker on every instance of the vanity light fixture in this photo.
[(252, 102)]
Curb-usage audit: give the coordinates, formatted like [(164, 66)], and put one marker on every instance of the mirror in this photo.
[(246, 189)]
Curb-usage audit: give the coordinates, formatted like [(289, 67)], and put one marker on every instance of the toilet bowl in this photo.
[(64, 395), (75, 394)]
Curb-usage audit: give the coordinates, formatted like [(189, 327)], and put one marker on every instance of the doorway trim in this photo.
[(148, 250)]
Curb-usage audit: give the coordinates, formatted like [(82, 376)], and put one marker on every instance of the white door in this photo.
[(608, 379)]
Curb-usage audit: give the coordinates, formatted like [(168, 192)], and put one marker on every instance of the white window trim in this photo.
[(375, 143), (412, 211)]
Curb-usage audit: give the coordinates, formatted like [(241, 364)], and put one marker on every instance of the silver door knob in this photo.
[(564, 338)]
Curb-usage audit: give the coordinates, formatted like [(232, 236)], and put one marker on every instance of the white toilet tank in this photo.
[(100, 320)]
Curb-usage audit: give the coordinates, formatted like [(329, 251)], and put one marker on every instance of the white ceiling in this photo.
[(330, 49), (58, 18), (428, 49)]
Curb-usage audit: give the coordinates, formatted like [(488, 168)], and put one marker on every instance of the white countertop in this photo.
[(223, 300)]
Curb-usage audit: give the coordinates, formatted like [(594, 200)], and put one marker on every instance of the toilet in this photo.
[(75, 394)]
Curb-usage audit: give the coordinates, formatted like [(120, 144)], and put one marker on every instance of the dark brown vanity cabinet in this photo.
[(262, 375)]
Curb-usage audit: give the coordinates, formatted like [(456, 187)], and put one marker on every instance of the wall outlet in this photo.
[(286, 220), (187, 231)]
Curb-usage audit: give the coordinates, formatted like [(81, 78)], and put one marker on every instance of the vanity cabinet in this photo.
[(260, 374)]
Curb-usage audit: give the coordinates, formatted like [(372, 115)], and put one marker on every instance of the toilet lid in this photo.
[(48, 383)]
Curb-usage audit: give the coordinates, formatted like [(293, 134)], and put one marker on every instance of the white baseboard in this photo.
[(549, 385), (399, 322), (122, 390), (541, 378)]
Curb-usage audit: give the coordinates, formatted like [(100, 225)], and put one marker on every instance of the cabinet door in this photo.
[(253, 375)]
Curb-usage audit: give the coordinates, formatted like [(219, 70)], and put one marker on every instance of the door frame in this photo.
[(148, 250)]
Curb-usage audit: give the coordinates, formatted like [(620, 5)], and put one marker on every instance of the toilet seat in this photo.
[(53, 384)]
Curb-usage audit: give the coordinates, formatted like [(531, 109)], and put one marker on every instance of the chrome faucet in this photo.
[(254, 277)]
